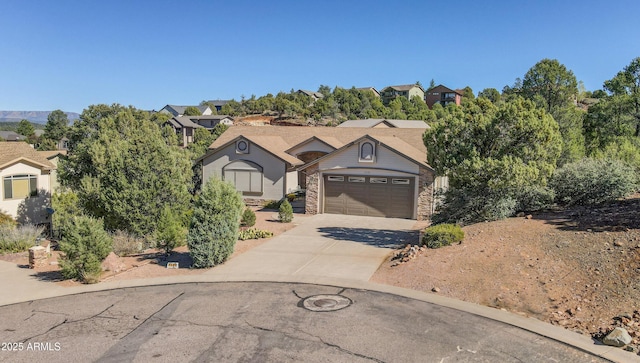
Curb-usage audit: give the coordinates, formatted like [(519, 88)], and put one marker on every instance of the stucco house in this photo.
[(385, 123), (372, 89), (442, 95), (25, 190), (357, 171), (179, 110), (407, 91), (185, 126)]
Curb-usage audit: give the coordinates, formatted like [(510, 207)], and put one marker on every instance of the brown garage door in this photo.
[(376, 196)]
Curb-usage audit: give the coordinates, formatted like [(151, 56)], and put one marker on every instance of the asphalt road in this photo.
[(261, 322)]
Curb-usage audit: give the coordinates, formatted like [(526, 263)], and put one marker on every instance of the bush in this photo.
[(66, 206), (291, 197), (593, 181), (271, 204), (464, 206), (248, 218), (18, 239), (169, 232), (6, 219), (214, 227), (285, 212), (85, 245), (125, 244), (534, 198), (253, 233), (442, 235)]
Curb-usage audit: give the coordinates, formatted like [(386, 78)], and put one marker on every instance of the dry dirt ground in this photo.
[(578, 268)]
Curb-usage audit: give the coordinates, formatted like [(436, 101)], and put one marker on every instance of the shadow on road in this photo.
[(383, 238)]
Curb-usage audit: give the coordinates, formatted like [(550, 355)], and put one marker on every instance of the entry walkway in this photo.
[(325, 245)]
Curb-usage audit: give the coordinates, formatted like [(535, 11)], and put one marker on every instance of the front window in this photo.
[(366, 152), (245, 175), (20, 186)]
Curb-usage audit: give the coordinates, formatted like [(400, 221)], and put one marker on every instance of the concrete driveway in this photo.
[(325, 245)]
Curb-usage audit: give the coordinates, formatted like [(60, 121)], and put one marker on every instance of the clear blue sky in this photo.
[(67, 54)]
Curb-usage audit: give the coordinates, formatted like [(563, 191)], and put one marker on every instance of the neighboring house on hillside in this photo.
[(179, 110), (53, 157), (372, 89), (384, 123), (11, 136), (407, 91), (185, 126), (357, 171), (25, 190), (314, 95), (218, 104), (443, 95)]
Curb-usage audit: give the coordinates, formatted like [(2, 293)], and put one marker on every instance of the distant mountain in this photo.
[(33, 116)]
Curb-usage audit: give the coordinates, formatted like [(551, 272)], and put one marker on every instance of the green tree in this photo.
[(56, 127), (491, 94), (25, 128), (551, 84), (285, 212), (170, 232), (84, 246), (192, 111), (214, 226), (123, 169), (66, 206)]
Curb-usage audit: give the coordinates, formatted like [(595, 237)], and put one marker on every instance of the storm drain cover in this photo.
[(326, 302)]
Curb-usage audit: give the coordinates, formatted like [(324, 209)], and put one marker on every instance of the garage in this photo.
[(374, 196)]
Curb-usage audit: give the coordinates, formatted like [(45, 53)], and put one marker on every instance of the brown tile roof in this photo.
[(12, 152), (278, 139)]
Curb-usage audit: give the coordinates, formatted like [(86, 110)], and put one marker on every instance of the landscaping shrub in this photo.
[(214, 227), (253, 233), (169, 232), (18, 239), (285, 212), (125, 244), (465, 206), (593, 181), (442, 235), (271, 204), (85, 245), (534, 198), (291, 197), (6, 219), (248, 218), (66, 205)]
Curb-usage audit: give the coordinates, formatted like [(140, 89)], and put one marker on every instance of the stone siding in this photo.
[(313, 185), (425, 194)]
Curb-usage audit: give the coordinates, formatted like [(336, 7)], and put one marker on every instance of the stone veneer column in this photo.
[(425, 194), (313, 185)]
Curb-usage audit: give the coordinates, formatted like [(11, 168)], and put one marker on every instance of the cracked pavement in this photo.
[(261, 322)]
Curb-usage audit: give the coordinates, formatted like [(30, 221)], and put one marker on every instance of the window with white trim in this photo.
[(335, 178), (245, 175), (20, 186), (357, 179), (367, 152), (242, 147), (400, 181), (378, 180)]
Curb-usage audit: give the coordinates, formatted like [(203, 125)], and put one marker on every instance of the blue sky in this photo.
[(70, 54)]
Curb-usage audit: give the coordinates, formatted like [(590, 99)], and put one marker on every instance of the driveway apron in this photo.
[(326, 245)]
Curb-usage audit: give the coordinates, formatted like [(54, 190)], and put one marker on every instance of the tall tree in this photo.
[(56, 127), (550, 83), (491, 94), (192, 111), (25, 128)]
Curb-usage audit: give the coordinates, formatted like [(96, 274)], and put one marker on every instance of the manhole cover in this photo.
[(326, 302)]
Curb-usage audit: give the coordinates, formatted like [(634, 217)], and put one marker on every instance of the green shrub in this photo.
[(169, 232), (534, 198), (593, 181), (6, 219), (466, 205), (66, 205), (125, 244), (85, 245), (253, 233), (18, 239), (214, 227), (291, 197), (285, 212), (271, 204), (248, 218), (442, 235)]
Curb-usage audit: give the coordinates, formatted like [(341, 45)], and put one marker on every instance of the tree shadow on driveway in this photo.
[(383, 238)]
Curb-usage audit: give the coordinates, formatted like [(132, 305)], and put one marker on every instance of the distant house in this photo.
[(218, 104), (314, 95), (185, 126), (407, 91), (11, 136), (384, 123), (25, 190), (442, 95), (53, 157), (179, 110), (372, 89)]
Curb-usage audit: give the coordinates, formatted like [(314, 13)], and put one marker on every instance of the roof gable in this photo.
[(17, 152), (440, 88)]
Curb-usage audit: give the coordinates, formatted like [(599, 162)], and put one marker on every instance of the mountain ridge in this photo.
[(33, 116)]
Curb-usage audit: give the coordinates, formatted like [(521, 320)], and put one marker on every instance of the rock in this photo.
[(618, 244), (618, 337), (435, 289), (520, 214), (529, 216), (113, 263)]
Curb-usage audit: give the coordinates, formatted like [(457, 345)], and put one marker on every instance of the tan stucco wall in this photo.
[(35, 206)]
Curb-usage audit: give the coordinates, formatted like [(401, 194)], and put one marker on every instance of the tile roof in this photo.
[(278, 139), (12, 152)]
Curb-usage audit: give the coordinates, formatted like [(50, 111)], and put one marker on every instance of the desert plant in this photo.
[(253, 233), (533, 198), (593, 181), (214, 227), (285, 212), (125, 244), (169, 232), (18, 239), (442, 235), (248, 218), (6, 219), (85, 245)]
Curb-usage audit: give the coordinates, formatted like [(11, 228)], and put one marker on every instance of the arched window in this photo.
[(20, 186), (245, 175), (367, 151)]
